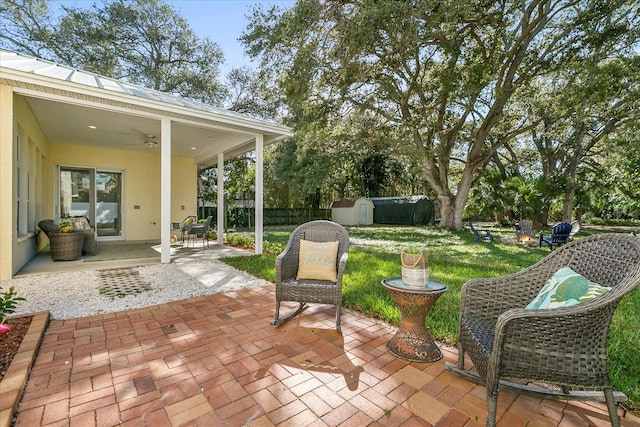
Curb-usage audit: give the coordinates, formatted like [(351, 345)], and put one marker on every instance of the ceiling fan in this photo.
[(149, 142)]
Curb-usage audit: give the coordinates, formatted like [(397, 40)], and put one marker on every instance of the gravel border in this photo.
[(74, 294)]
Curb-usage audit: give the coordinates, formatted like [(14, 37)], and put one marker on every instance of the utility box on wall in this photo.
[(352, 211)]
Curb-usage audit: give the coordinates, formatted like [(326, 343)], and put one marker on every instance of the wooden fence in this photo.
[(245, 217)]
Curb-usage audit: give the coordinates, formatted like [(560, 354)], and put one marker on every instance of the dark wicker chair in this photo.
[(63, 246), (306, 290), (559, 235), (562, 346), (196, 229)]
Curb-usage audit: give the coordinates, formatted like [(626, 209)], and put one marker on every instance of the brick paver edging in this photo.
[(14, 381)]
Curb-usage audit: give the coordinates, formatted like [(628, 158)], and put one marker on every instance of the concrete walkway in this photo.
[(216, 361)]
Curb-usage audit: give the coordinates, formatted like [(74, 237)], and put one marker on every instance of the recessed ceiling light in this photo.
[(193, 148), (92, 127)]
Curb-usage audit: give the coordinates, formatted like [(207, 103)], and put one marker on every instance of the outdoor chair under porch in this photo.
[(311, 267), (509, 337), (196, 230), (69, 246)]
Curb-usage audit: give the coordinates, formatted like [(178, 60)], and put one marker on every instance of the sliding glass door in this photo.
[(109, 203), (94, 194), (76, 193)]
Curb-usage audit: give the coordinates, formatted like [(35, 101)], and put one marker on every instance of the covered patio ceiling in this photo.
[(74, 124), (76, 107)]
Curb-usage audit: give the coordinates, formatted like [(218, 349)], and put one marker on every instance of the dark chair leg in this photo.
[(280, 320), (612, 407), (277, 316), (460, 357), (492, 409)]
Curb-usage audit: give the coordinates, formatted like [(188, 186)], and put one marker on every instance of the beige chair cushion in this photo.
[(317, 260)]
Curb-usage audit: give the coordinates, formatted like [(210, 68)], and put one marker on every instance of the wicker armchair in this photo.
[(63, 246), (561, 346), (288, 288)]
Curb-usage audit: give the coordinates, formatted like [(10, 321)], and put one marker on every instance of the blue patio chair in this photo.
[(559, 235), (481, 234)]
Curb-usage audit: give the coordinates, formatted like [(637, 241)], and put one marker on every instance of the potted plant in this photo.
[(65, 226), (8, 303), (415, 268)]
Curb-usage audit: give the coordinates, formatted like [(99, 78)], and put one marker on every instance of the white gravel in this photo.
[(75, 294)]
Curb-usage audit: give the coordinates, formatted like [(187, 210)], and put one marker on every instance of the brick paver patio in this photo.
[(216, 361)]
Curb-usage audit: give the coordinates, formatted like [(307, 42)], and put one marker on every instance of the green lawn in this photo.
[(453, 259)]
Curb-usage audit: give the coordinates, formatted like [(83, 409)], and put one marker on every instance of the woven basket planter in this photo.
[(66, 246), (415, 270)]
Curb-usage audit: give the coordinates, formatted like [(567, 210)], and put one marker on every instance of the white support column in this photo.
[(259, 193), (221, 207), (7, 205), (165, 191)]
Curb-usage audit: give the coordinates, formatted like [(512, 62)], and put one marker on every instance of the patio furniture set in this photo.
[(560, 234), (190, 230), (545, 325)]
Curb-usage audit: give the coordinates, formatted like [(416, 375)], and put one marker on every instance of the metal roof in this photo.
[(40, 67)]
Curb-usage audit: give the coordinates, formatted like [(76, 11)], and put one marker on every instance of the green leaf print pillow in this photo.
[(566, 288)]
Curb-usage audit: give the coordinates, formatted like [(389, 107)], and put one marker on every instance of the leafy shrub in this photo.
[(8, 303)]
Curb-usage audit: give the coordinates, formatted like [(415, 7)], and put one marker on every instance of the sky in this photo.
[(222, 21)]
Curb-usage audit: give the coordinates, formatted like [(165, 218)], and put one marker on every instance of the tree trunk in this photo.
[(447, 213), (569, 195), (451, 211), (451, 206), (570, 172)]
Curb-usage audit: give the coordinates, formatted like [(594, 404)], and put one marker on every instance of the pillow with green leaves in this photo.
[(564, 289)]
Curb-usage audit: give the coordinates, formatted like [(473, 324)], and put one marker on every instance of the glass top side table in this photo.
[(413, 341)]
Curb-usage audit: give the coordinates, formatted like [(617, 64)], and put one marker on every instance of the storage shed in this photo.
[(352, 211), (410, 210)]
